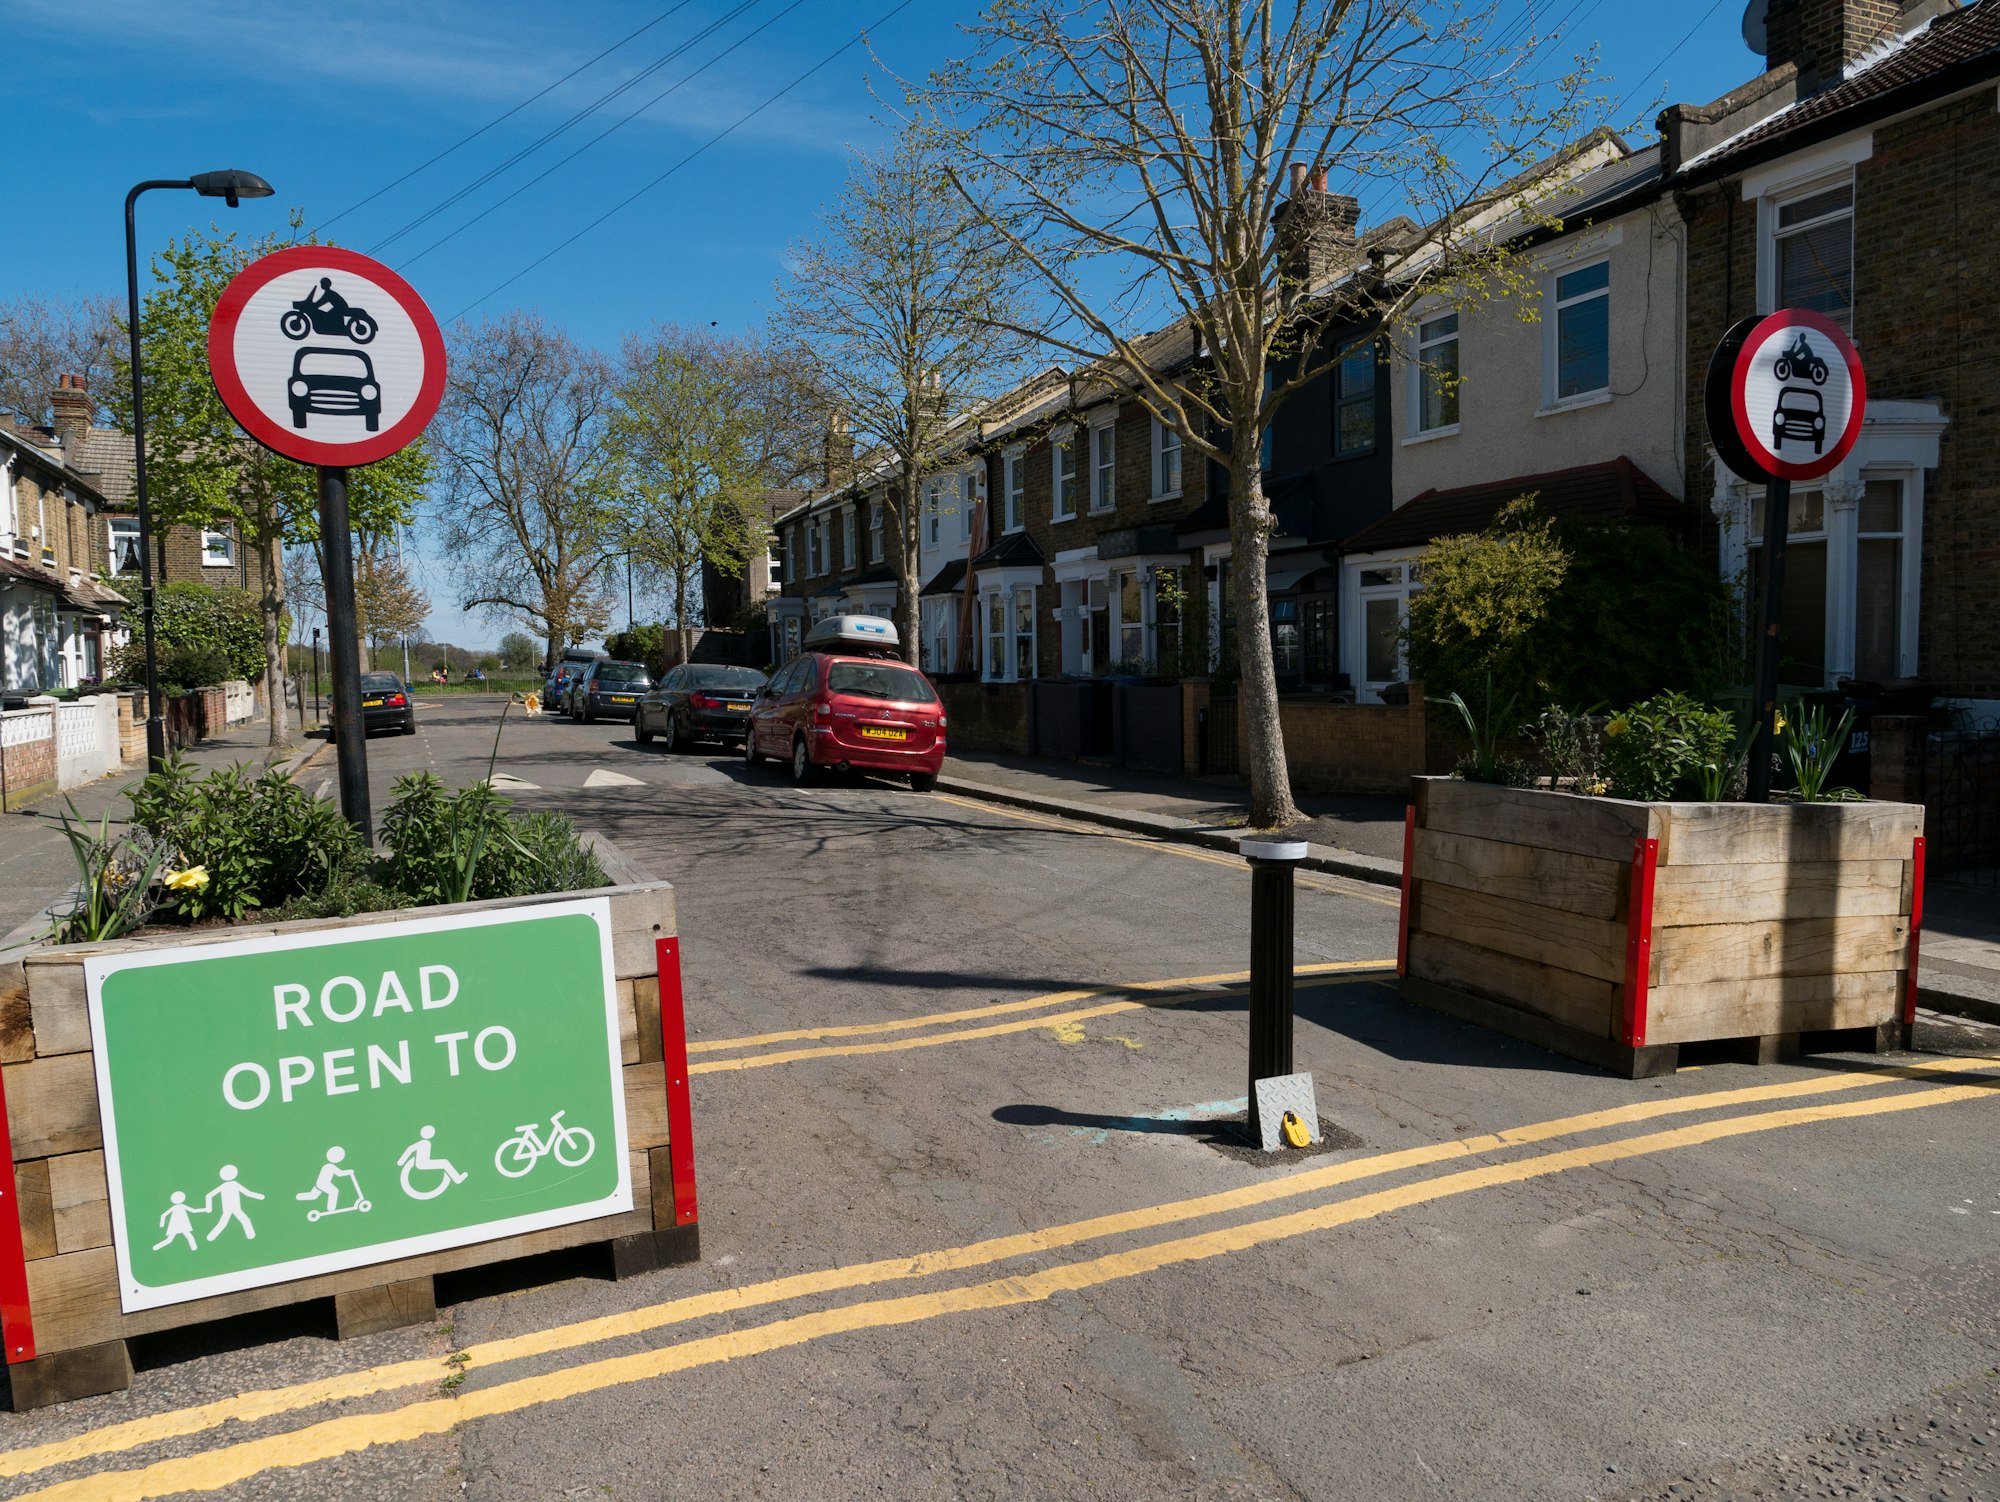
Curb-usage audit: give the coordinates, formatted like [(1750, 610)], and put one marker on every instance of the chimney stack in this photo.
[(1823, 37), (837, 456), (1316, 231), (73, 411)]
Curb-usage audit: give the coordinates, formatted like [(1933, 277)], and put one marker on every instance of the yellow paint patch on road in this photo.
[(1002, 1008), (1357, 890), (389, 1377), (331, 1438)]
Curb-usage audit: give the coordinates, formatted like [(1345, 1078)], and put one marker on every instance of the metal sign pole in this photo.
[(1763, 736), (349, 732)]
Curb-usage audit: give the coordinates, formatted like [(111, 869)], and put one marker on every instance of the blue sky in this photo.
[(333, 105)]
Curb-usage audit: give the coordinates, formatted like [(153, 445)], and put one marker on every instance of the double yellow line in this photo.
[(344, 1435)]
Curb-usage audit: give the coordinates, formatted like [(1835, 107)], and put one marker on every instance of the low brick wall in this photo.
[(987, 717), (1356, 748), (132, 727), (27, 755)]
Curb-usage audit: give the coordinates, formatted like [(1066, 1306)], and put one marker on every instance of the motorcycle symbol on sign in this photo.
[(325, 311), (1799, 359)]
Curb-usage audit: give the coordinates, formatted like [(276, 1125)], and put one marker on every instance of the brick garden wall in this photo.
[(987, 717)]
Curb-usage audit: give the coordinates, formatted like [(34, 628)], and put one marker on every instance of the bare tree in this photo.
[(45, 337), (1151, 136), (388, 598), (904, 318), (526, 505), (688, 438)]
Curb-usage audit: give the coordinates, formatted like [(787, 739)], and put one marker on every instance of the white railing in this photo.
[(21, 727), (86, 740)]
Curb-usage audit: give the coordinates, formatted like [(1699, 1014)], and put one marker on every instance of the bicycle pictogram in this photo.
[(572, 1147)]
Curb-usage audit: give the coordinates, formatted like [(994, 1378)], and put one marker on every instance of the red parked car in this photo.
[(849, 703)]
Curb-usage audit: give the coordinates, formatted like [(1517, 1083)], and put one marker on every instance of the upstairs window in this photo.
[(1062, 496), (1015, 486), (1582, 332), (849, 554), (1437, 373), (1103, 467), (1813, 245), (875, 533), (1166, 460), (218, 550), (1354, 402), (124, 540), (815, 551)]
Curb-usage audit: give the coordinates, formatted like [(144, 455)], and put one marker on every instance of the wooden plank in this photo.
[(1729, 833), (1754, 951), (646, 1001), (628, 1025), (1525, 930), (80, 1199), (646, 1105), (1761, 893), (660, 1169), (387, 1306), (1733, 1008), (640, 918), (59, 1004), (64, 1376), (1549, 878), (1602, 828), (1582, 1003), (75, 1294), (52, 1106), (1606, 1053), (38, 1221), (615, 863), (17, 1032)]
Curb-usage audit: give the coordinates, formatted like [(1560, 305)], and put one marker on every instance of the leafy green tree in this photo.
[(517, 652), (1485, 595), (203, 471), (685, 436)]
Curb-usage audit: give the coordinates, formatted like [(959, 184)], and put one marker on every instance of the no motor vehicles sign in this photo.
[(325, 356), (1785, 396), (279, 1108)]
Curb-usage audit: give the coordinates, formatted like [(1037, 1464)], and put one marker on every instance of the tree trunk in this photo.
[(681, 631), (1250, 526), (909, 612), (273, 605)]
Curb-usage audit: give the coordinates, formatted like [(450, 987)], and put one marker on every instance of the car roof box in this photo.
[(852, 633)]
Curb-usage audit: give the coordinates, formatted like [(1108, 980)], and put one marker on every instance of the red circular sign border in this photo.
[(288, 442), (1822, 464)]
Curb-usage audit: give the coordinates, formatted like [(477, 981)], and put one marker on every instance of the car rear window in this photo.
[(880, 680), (745, 680), (375, 683), (623, 672)]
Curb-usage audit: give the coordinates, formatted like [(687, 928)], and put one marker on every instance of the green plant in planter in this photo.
[(1658, 748), (1812, 740), (1573, 747), (1484, 763), (117, 880)]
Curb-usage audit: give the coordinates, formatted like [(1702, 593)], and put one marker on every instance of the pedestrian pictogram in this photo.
[(286, 350)]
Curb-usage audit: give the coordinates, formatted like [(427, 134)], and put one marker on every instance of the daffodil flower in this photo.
[(1617, 726), (193, 879)]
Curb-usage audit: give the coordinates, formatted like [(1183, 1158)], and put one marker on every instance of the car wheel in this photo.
[(583, 713), (674, 743), (923, 782), (802, 765), (410, 725), (640, 733), (752, 757)]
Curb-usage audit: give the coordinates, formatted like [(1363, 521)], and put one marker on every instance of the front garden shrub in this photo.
[(1660, 747)]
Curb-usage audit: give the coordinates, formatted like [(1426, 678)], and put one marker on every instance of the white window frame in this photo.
[(1062, 488), (1014, 485), (1419, 373), (115, 527), (1354, 628), (1166, 446), (1769, 233), (815, 550), (1795, 177), (1103, 457), (849, 538), (10, 503), (1552, 393), (877, 522), (791, 554), (218, 549), (1003, 587)]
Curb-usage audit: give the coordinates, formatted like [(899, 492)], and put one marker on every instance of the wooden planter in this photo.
[(1616, 931), (60, 1312)]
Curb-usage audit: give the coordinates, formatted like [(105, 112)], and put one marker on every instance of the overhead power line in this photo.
[(619, 125), (720, 135), (472, 136)]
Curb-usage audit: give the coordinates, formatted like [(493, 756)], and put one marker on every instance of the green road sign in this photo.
[(277, 1108)]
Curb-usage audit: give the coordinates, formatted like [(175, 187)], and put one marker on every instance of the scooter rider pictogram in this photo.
[(325, 311)]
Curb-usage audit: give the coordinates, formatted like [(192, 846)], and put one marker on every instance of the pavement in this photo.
[(973, 1226)]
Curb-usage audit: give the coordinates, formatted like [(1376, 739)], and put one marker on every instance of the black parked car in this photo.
[(608, 690), (699, 702), (385, 705)]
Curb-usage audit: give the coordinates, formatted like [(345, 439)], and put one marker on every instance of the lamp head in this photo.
[(231, 185)]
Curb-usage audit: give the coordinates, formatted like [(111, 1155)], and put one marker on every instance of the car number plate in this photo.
[(883, 733), (371, 703), (743, 708), (621, 698)]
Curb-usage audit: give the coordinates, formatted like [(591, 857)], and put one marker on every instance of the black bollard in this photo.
[(1271, 864)]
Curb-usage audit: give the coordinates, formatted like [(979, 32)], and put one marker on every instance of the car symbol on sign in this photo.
[(1800, 413), (336, 383)]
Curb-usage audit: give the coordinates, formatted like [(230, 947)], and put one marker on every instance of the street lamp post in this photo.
[(231, 186)]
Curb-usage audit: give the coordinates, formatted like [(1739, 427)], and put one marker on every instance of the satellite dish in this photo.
[(1753, 26)]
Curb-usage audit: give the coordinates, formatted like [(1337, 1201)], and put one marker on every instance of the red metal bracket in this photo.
[(17, 1324), (1916, 928), (1403, 909), (680, 1110), (1639, 939)]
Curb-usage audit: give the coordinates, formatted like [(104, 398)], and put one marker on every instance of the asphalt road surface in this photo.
[(1011, 1254)]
